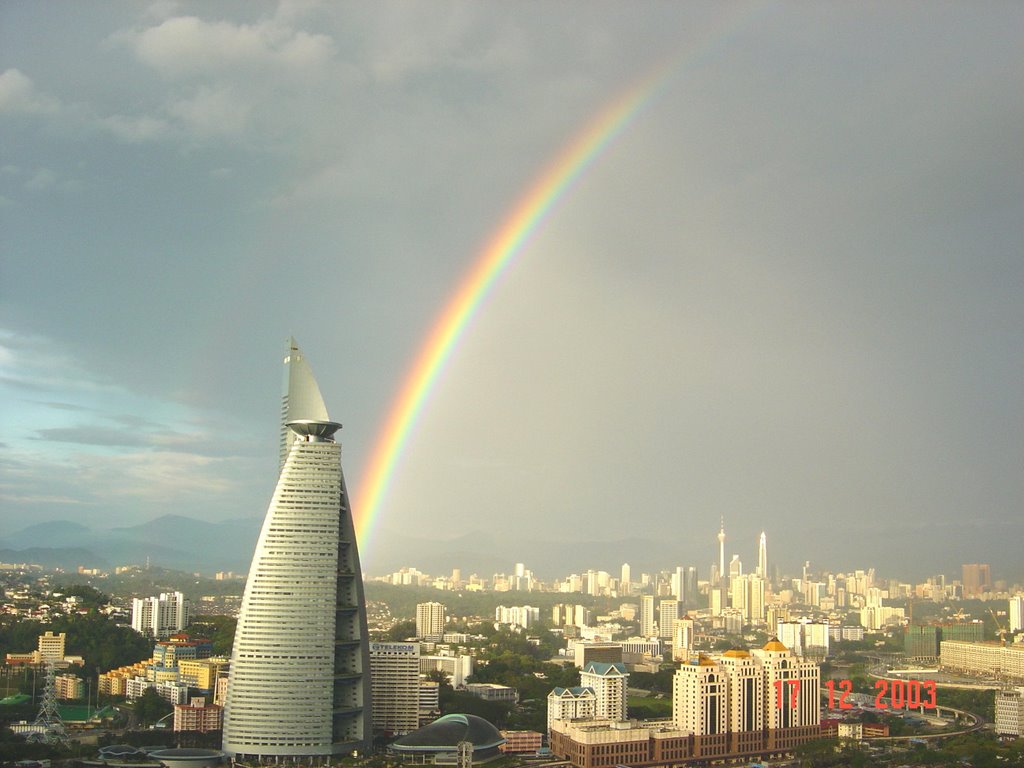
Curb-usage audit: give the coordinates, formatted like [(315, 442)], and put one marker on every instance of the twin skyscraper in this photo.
[(299, 680)]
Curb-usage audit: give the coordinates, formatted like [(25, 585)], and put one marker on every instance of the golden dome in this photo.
[(775, 645)]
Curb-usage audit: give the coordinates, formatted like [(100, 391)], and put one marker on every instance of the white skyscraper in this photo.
[(668, 612), (1017, 613), (721, 551), (298, 685), (762, 556), (430, 619), (161, 616), (648, 625)]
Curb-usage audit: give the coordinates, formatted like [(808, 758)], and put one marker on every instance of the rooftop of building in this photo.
[(447, 732), (605, 668)]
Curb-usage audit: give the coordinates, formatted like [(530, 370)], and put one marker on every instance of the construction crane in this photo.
[(1000, 629)]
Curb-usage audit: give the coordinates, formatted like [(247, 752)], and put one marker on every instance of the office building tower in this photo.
[(699, 703), (735, 567), (682, 639), (648, 627), (624, 580), (668, 612), (721, 550), (747, 597), (799, 681), (430, 619), (298, 685), (678, 583), (609, 683), (690, 591), (395, 681), (162, 616), (1016, 613), (977, 579), (762, 556)]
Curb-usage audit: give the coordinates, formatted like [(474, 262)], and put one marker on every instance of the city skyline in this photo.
[(783, 292)]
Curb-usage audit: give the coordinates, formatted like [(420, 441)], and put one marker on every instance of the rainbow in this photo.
[(508, 240), (494, 259)]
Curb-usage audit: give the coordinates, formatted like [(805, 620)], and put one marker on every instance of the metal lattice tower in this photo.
[(49, 715), (465, 754)]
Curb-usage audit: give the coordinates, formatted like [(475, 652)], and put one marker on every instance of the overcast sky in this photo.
[(790, 292)]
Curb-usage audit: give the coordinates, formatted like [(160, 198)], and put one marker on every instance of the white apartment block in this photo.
[(804, 638), (609, 683), (1010, 712), (987, 659), (430, 619), (160, 616), (668, 612), (458, 668), (174, 692), (577, 703), (682, 639), (395, 686), (648, 622), (518, 615), (1016, 613)]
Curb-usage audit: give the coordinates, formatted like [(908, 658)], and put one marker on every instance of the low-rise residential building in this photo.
[(197, 715), (522, 742), (493, 692), (69, 687)]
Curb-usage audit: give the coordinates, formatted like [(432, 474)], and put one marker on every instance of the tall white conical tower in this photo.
[(299, 680)]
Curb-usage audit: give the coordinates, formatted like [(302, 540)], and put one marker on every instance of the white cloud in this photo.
[(212, 112), (135, 129), (19, 94), (185, 46)]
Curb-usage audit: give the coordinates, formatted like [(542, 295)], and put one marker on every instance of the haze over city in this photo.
[(787, 292)]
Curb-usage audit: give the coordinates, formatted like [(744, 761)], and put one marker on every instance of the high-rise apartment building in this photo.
[(609, 683), (1016, 613), (577, 703), (430, 618), (682, 639), (668, 612), (395, 681), (161, 616), (648, 623), (298, 685)]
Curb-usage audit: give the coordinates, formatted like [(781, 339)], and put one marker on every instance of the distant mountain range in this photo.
[(171, 541), (188, 544)]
